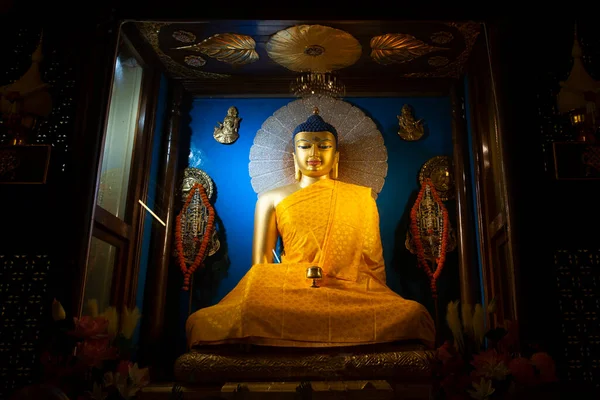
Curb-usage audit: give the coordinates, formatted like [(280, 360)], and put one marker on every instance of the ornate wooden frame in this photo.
[(470, 200)]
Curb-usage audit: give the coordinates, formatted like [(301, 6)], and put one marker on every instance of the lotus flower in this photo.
[(522, 370), (130, 321), (545, 364), (93, 351), (112, 316), (58, 312), (490, 364), (92, 306), (483, 389), (87, 326)]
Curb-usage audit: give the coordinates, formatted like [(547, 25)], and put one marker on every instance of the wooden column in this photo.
[(464, 229), (156, 282)]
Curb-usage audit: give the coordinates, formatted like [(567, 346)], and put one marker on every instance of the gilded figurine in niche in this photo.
[(411, 129), (227, 131)]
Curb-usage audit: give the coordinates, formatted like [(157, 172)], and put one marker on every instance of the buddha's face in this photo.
[(315, 153)]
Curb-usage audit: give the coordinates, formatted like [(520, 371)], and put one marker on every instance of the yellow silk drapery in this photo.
[(333, 225)]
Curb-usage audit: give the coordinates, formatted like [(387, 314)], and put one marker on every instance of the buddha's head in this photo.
[(315, 148)]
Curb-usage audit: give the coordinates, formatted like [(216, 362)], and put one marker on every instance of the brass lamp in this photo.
[(314, 273), (318, 84)]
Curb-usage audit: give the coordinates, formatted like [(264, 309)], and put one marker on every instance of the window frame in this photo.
[(125, 233)]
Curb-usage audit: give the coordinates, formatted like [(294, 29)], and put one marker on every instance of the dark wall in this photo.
[(41, 225), (556, 221), (35, 249)]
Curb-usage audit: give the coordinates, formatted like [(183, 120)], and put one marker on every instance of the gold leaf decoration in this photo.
[(231, 48), (469, 32), (397, 48), (314, 48), (150, 31)]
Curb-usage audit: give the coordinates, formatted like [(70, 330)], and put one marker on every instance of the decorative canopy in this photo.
[(313, 48), (262, 56), (363, 156)]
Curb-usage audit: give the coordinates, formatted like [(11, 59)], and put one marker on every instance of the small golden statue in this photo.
[(227, 131), (410, 128)]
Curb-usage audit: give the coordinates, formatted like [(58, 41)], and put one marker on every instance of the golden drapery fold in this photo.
[(334, 225)]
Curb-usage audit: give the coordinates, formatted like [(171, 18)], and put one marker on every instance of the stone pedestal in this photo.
[(388, 371)]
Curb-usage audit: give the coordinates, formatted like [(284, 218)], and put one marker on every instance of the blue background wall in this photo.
[(235, 199)]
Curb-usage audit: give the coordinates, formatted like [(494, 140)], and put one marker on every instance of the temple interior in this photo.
[(427, 185)]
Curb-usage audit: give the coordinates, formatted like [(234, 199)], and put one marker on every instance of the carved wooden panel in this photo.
[(23, 303), (24, 272), (578, 286)]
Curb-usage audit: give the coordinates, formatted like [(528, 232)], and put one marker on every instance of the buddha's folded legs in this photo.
[(275, 305)]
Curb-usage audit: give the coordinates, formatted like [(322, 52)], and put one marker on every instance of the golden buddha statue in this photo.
[(323, 223)]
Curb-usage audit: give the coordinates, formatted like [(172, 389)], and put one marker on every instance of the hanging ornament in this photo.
[(194, 232), (430, 235)]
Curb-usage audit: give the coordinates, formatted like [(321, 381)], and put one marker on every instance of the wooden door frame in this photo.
[(486, 101), (93, 119)]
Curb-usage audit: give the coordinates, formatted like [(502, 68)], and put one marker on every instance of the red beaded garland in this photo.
[(198, 261)]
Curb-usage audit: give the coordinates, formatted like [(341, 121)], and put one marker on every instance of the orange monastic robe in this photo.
[(333, 225)]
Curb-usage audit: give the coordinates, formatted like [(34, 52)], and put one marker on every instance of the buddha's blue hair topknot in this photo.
[(315, 123)]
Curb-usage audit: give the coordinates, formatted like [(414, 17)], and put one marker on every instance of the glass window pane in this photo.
[(120, 134), (100, 267)]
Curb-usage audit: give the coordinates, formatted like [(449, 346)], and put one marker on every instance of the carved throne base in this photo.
[(379, 372)]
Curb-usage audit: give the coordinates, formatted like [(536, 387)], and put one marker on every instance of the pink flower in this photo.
[(89, 326), (123, 367), (139, 376), (93, 351), (446, 352), (523, 371), (545, 364), (490, 364)]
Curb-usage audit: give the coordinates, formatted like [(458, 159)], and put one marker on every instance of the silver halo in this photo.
[(363, 156)]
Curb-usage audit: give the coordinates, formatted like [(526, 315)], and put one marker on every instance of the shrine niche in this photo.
[(316, 179)]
